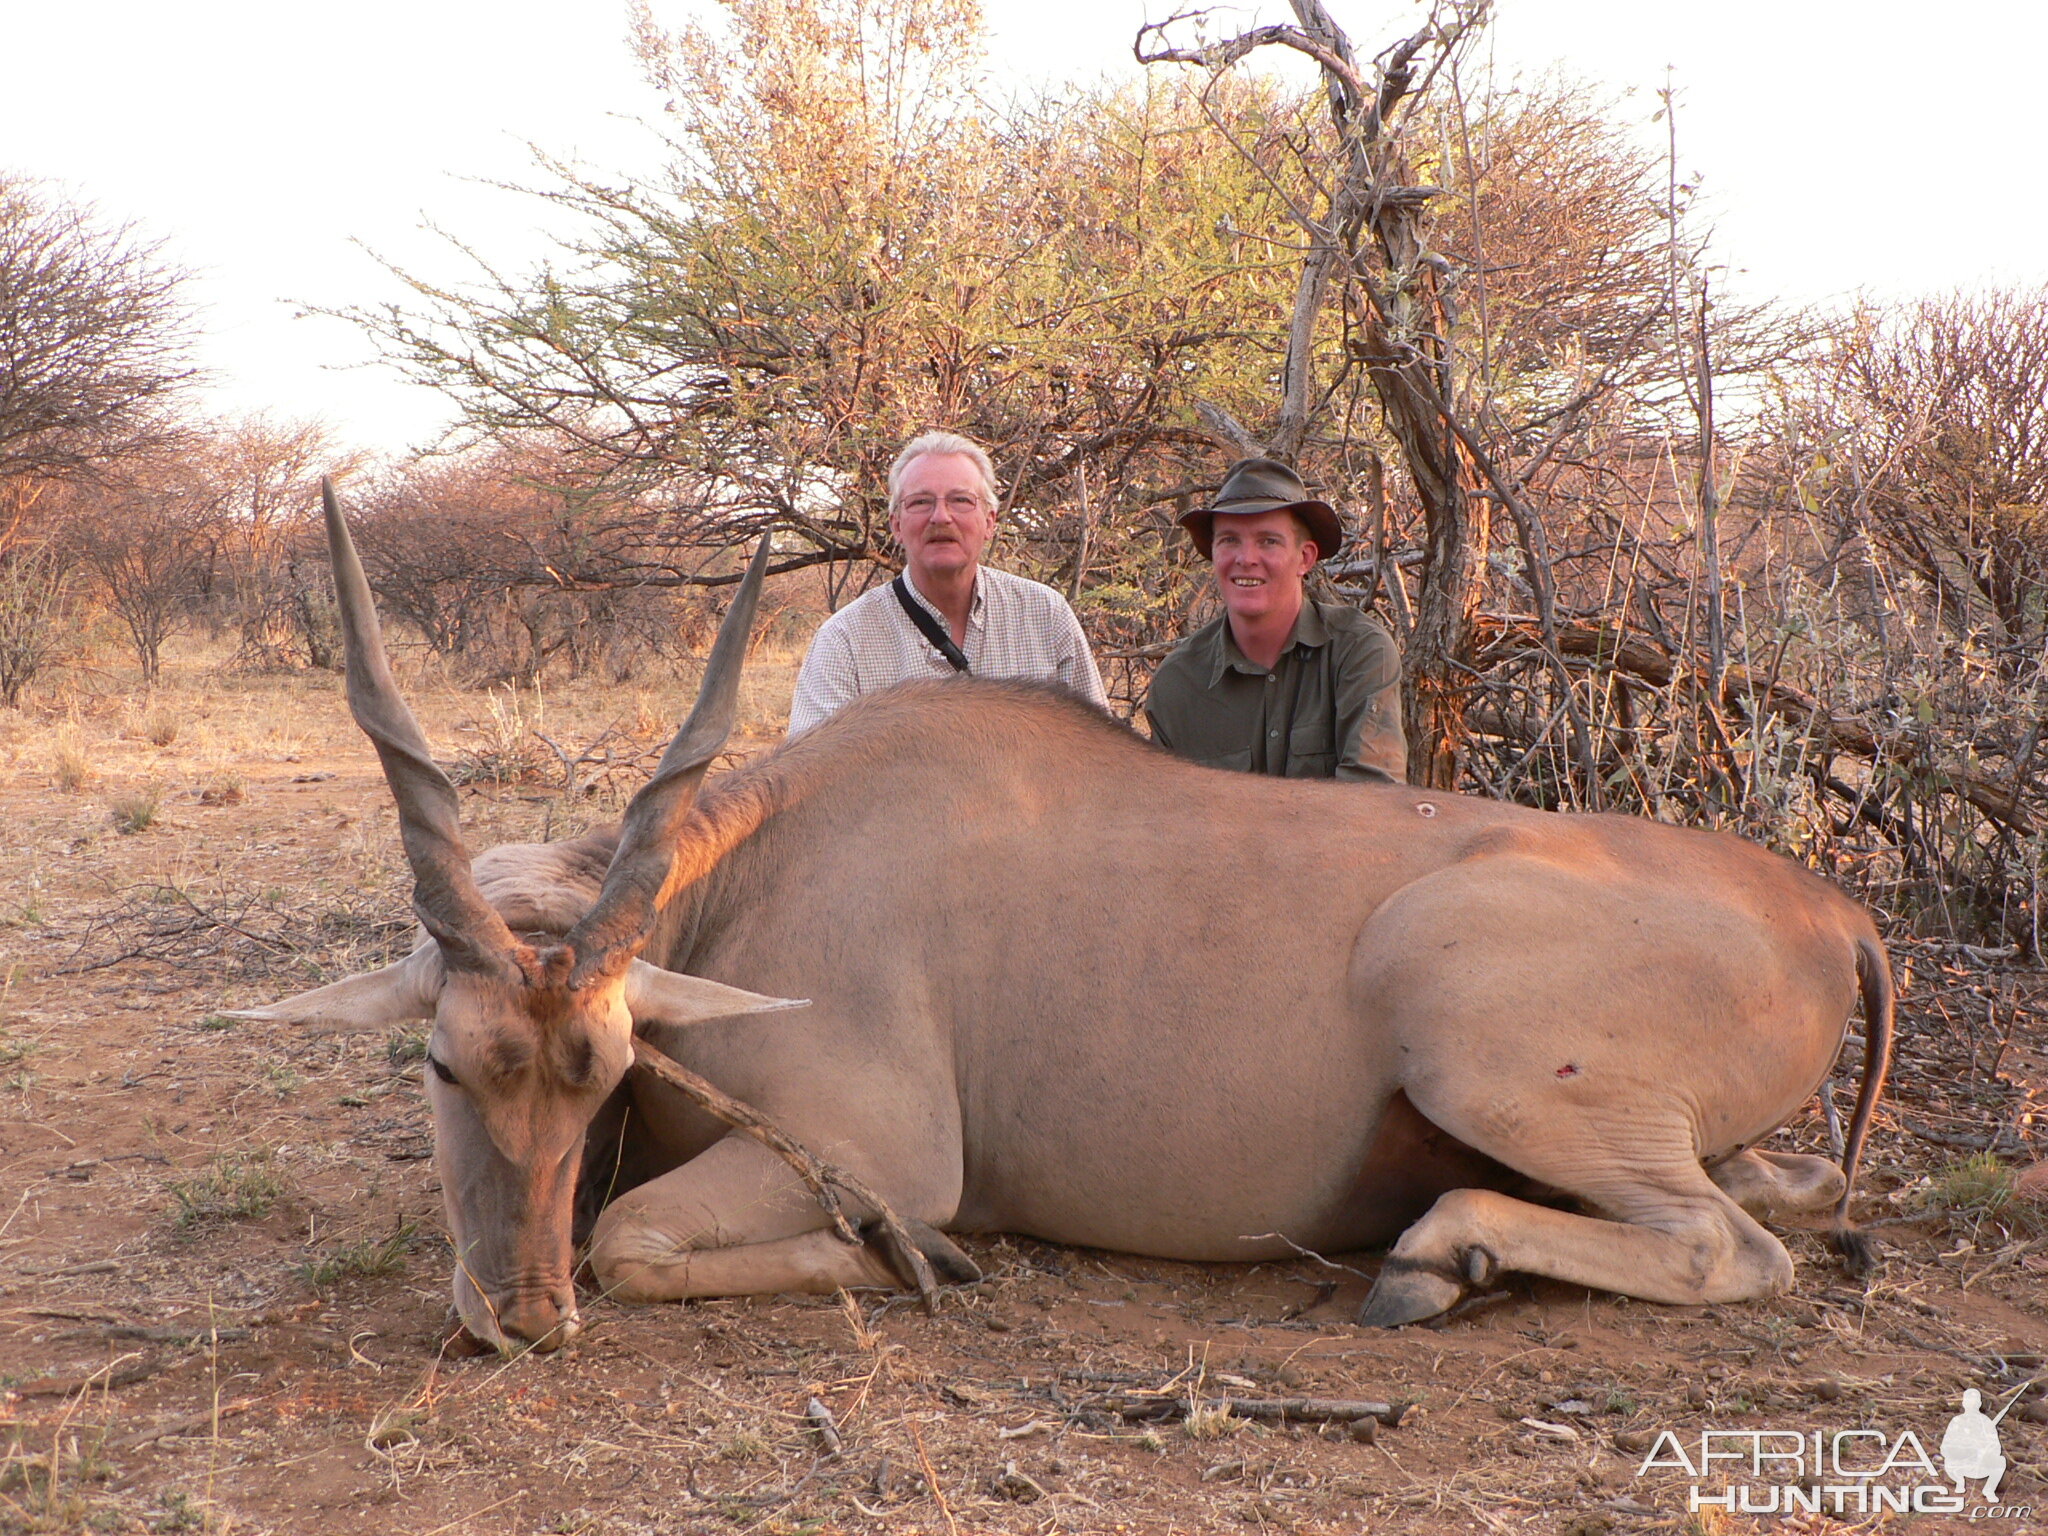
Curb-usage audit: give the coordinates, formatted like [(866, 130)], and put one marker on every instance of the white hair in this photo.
[(942, 442)]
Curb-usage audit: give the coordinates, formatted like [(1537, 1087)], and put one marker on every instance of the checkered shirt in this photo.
[(1016, 628)]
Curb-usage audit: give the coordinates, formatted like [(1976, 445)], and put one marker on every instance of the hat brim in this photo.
[(1317, 517)]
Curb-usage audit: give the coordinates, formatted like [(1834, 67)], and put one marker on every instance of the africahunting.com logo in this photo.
[(1844, 1471)]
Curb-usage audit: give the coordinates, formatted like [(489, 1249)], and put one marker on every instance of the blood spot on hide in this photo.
[(1424, 808), (1568, 1070)]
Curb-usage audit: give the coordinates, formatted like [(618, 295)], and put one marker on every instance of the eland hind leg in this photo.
[(1595, 1022), (1664, 1231), (1779, 1183)]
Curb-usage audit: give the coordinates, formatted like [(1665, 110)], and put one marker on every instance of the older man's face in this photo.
[(942, 516)]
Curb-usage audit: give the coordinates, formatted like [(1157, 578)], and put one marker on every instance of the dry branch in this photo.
[(101, 1380), (253, 933), (1501, 637), (819, 1176), (1300, 1410), (195, 1424)]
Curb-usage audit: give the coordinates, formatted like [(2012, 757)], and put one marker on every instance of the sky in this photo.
[(1842, 147)]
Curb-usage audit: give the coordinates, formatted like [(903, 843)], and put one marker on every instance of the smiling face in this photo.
[(943, 516), (1261, 560)]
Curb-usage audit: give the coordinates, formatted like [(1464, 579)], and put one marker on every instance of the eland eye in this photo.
[(441, 1070)]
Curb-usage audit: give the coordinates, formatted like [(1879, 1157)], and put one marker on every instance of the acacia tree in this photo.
[(1912, 453), (480, 553), (266, 475), (1499, 268), (93, 337), (850, 246), (149, 537), (1926, 429), (32, 631), (93, 356)]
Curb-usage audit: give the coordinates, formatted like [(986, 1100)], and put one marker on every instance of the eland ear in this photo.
[(397, 994), (655, 996)]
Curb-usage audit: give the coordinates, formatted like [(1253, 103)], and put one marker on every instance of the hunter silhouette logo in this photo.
[(1863, 1471), (1970, 1449)]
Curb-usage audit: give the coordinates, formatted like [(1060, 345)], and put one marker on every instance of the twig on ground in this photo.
[(931, 1477), (102, 1379), (193, 1425), (1301, 1410)]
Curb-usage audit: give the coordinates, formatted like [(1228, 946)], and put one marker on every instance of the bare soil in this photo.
[(223, 1276)]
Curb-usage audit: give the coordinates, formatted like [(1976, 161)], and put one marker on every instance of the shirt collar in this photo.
[(974, 604), (1309, 630)]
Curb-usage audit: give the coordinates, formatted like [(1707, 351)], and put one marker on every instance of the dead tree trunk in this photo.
[(1372, 238), (1401, 338)]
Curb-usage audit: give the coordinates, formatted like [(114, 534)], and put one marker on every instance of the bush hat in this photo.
[(1265, 485)]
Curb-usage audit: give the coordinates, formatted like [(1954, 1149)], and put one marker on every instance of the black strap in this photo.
[(928, 626)]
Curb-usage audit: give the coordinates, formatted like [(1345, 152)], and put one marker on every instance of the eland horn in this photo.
[(469, 930), (613, 930)]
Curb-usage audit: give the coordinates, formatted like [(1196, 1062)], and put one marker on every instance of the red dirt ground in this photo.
[(223, 1275)]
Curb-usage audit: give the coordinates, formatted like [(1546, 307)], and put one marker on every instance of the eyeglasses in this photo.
[(959, 503)]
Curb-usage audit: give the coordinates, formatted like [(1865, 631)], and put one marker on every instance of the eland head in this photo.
[(532, 1030)]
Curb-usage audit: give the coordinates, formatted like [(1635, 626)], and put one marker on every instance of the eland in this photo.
[(1022, 971)]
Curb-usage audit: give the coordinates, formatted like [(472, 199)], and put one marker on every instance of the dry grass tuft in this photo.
[(236, 1186), (136, 810), (365, 1259), (49, 1490), (1210, 1421), (70, 764), (1983, 1190), (221, 787), (509, 748)]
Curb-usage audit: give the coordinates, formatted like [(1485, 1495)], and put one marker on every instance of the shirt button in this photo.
[(1273, 734)]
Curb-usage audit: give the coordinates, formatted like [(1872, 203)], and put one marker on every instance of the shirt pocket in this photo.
[(1230, 762), (1310, 752)]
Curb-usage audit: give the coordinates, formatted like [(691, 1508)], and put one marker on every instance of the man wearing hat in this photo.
[(1279, 683)]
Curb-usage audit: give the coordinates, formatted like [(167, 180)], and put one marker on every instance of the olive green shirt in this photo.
[(1330, 708)]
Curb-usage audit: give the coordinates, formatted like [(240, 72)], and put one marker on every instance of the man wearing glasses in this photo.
[(947, 612)]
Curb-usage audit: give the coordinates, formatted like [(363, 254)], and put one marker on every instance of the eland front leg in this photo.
[(736, 1221)]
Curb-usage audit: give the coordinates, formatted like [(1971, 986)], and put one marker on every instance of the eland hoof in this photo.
[(1406, 1292), (950, 1265)]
